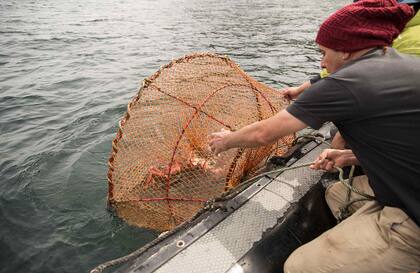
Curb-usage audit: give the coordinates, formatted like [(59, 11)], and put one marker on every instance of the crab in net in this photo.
[(161, 171), (194, 163)]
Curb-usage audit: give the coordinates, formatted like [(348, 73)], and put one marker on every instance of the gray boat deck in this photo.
[(221, 247)]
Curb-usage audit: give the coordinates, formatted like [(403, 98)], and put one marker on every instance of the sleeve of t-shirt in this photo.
[(326, 100)]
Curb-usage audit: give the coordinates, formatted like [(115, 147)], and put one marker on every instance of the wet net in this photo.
[(161, 171)]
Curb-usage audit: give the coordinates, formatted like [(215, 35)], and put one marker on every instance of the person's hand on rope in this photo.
[(217, 141), (292, 93), (331, 158)]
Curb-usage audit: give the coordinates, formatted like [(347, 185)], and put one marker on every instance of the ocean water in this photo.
[(67, 71)]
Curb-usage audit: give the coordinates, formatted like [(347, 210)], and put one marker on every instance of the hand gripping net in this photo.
[(161, 171)]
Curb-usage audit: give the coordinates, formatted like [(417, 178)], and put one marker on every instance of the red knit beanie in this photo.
[(364, 24)]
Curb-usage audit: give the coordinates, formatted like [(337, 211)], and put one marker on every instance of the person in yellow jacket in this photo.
[(407, 42)]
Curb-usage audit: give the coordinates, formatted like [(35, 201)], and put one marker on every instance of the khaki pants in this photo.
[(374, 239)]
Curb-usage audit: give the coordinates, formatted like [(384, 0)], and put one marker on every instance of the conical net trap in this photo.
[(161, 171)]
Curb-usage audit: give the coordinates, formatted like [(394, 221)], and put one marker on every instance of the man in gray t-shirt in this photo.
[(379, 116), (373, 97)]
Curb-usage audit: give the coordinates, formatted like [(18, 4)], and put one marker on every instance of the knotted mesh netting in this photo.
[(161, 171)]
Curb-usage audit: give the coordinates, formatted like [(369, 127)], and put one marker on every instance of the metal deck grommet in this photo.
[(180, 244)]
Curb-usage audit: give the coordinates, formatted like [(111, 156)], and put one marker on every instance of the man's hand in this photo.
[(218, 143), (331, 158), (257, 134), (292, 93)]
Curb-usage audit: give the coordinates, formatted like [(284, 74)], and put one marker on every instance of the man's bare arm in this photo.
[(257, 134)]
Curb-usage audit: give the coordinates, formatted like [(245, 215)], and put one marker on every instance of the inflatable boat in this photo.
[(254, 230)]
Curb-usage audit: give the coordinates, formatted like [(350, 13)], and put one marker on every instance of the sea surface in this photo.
[(68, 68)]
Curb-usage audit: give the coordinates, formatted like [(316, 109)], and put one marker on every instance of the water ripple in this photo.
[(68, 69)]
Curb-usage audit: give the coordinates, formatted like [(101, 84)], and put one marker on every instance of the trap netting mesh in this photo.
[(161, 171)]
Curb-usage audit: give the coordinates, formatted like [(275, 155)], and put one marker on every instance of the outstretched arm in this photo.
[(256, 134)]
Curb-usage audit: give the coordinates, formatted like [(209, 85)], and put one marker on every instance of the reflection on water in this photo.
[(68, 68)]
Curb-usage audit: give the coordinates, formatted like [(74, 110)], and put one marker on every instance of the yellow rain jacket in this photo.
[(409, 40)]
